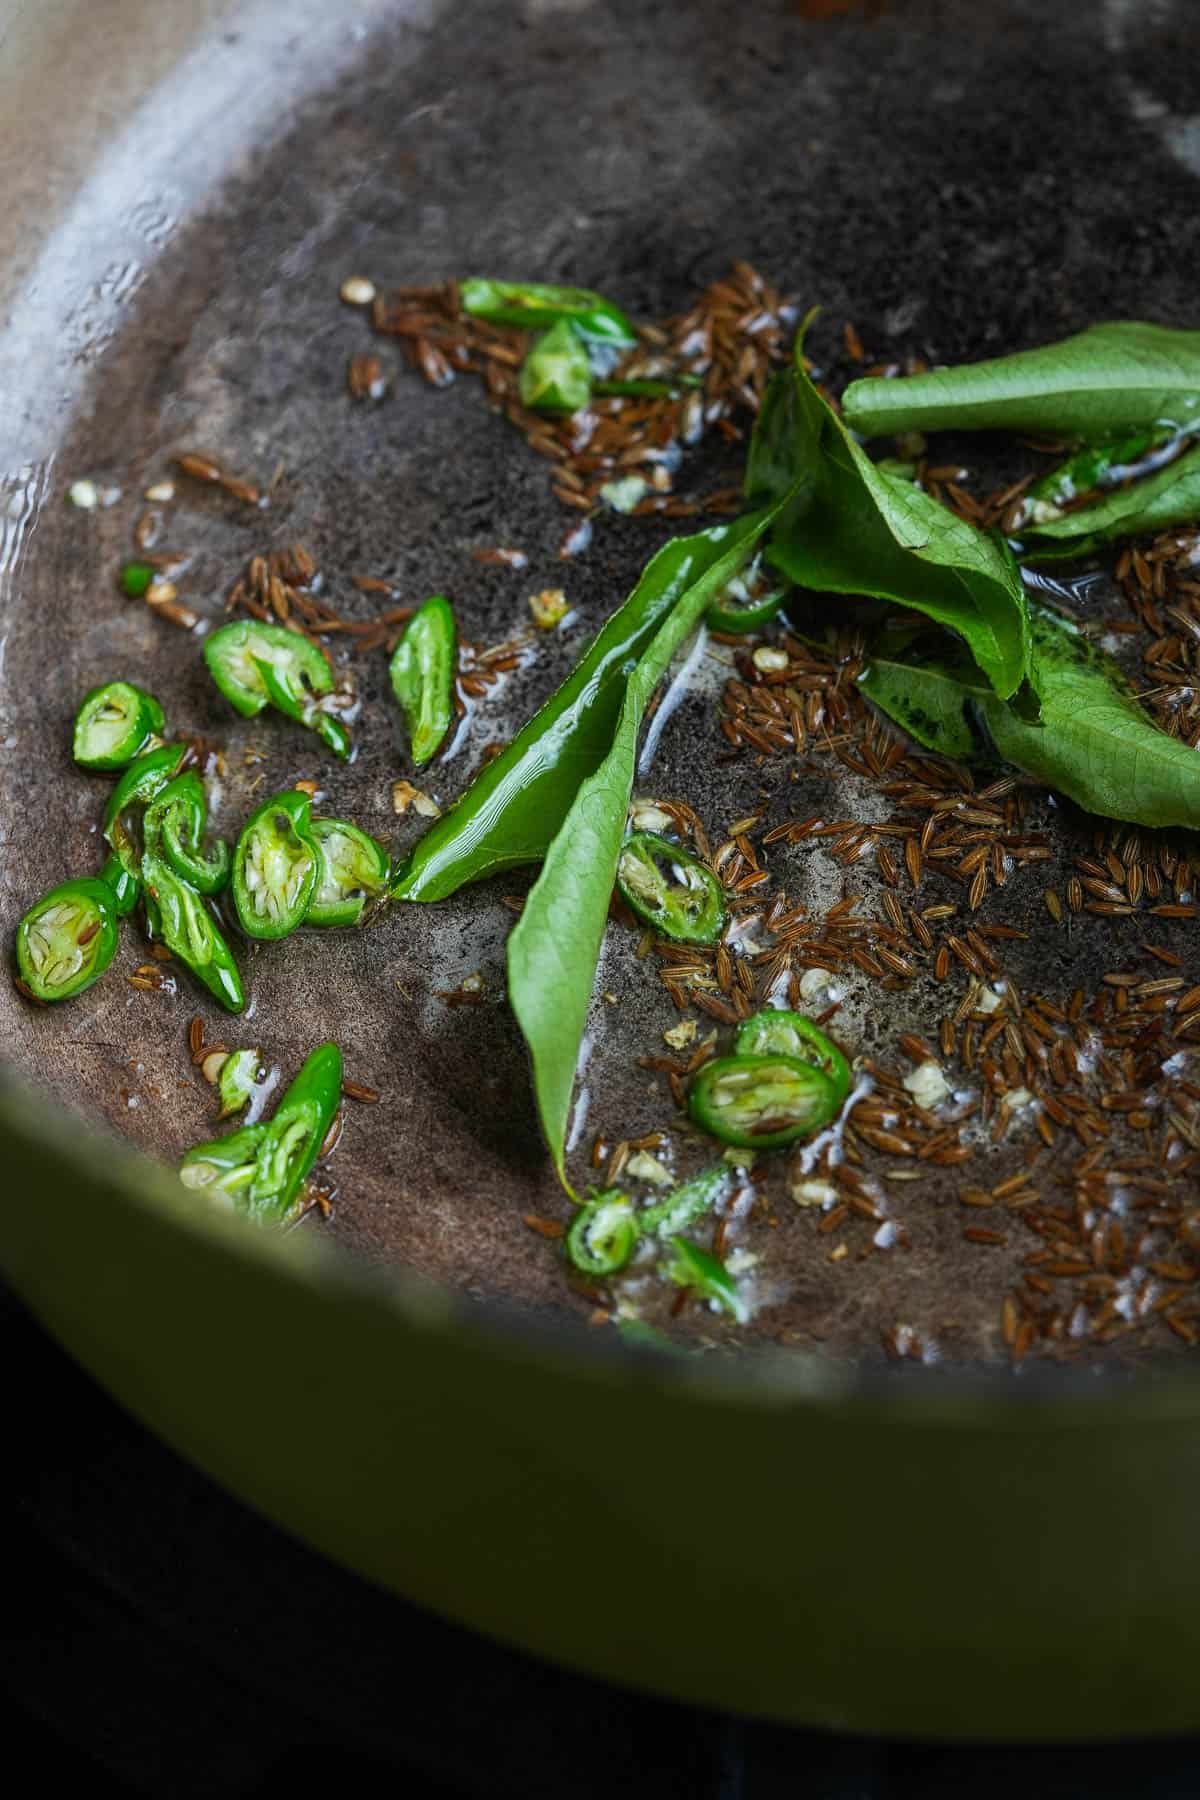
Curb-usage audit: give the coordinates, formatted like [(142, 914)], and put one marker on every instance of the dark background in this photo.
[(160, 1639)]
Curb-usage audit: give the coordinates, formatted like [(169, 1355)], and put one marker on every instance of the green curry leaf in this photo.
[(1156, 503), (514, 806), (554, 947), (930, 701), (1094, 743), (1108, 379), (856, 529)]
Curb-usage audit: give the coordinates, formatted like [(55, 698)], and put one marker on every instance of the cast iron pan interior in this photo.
[(954, 183)]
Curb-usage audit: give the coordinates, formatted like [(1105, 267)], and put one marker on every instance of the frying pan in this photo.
[(943, 1552)]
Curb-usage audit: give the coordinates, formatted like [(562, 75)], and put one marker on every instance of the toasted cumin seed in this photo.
[(354, 1090), (913, 860)]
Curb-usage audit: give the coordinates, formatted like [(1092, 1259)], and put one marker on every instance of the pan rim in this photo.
[(1045, 1397)]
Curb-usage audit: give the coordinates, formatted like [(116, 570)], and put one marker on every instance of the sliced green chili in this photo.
[(311, 713), (254, 664), (275, 866), (774, 1032), (686, 1203), (686, 902), (115, 723), (261, 1168), (237, 1080), (136, 577), (354, 870), (141, 783), (760, 1102), (226, 1166), (698, 1269), (603, 1234), (126, 888), (422, 673), (746, 605), (178, 915), (556, 375), (67, 939), (537, 306), (173, 828)]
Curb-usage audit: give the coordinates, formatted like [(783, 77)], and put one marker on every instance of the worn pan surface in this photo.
[(796, 1538)]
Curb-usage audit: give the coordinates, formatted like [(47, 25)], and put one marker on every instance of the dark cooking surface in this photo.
[(159, 1639), (953, 187)]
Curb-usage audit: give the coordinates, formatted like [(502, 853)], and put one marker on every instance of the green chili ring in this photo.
[(141, 783), (260, 1168), (537, 305), (275, 867), (177, 914), (173, 828), (422, 675), (115, 722), (690, 909), (774, 1032), (126, 888), (291, 1142), (225, 1166), (255, 663), (556, 375), (736, 616), (304, 710), (761, 1102), (354, 871), (603, 1235), (67, 939)]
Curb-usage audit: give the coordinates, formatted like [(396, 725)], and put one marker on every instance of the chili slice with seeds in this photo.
[(275, 866), (685, 902), (603, 1234), (260, 1168), (115, 722), (67, 940), (556, 376), (173, 828), (775, 1032), (177, 915), (255, 664), (354, 870), (761, 1102)]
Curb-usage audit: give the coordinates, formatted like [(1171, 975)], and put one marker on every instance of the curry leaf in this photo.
[(1108, 379), (1169, 497), (930, 701), (856, 529), (1094, 743), (1108, 465), (553, 948), (515, 805)]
